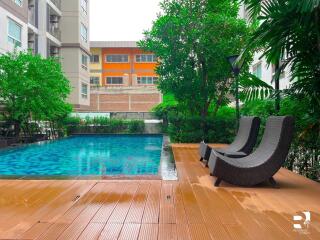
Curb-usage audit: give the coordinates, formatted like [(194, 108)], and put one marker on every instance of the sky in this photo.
[(121, 20)]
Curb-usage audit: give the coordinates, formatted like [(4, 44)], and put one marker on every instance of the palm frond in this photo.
[(253, 88)]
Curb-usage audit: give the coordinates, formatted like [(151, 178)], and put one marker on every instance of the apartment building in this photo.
[(260, 67), (13, 25), (51, 28), (75, 50), (122, 78)]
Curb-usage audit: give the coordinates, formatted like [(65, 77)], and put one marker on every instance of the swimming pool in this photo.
[(87, 155)]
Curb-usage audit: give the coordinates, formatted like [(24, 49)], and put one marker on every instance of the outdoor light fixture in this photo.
[(236, 67), (235, 64)]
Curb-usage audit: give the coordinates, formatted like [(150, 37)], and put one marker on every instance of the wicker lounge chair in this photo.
[(242, 145), (263, 163)]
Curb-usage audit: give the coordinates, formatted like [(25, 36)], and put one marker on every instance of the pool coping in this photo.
[(166, 157)]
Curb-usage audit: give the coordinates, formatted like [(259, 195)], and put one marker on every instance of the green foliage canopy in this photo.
[(192, 39), (32, 88)]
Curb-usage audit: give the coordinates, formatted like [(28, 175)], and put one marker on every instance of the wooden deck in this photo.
[(190, 208)]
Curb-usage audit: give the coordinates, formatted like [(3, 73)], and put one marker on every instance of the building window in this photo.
[(84, 6), (14, 33), (84, 90), (18, 2), (84, 33), (147, 80), (146, 58), (84, 61), (94, 59), (257, 70), (114, 80), (117, 58), (95, 80)]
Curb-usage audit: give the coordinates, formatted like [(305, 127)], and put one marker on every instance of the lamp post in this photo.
[(236, 67)]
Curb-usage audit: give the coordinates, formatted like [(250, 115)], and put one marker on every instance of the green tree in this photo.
[(192, 39), (32, 88)]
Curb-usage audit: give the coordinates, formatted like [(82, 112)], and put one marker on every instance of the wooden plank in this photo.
[(148, 232), (111, 231), (180, 212), (120, 212), (53, 232), (167, 232), (199, 231), (183, 232), (138, 204), (167, 208), (110, 202), (74, 211), (130, 231), (152, 208), (92, 231), (35, 231)]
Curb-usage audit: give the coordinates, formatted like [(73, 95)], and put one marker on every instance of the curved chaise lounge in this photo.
[(243, 143), (263, 163)]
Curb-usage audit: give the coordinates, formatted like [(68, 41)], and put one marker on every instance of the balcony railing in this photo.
[(55, 32), (57, 3)]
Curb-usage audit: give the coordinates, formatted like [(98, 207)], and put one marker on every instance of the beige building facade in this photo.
[(51, 28), (75, 50)]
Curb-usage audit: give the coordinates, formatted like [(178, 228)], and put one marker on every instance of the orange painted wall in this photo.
[(121, 69)]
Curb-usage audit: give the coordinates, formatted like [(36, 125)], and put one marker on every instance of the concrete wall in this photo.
[(20, 12), (71, 23), (125, 102)]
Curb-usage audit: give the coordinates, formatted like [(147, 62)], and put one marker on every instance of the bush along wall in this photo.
[(103, 125), (195, 129)]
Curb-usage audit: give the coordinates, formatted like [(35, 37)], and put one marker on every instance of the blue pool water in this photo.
[(85, 156)]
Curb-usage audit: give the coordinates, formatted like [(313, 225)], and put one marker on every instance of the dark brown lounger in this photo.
[(263, 163), (243, 143)]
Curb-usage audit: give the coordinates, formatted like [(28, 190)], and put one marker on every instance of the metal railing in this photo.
[(56, 32), (57, 3)]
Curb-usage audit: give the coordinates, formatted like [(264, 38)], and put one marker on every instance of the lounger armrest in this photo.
[(235, 154)]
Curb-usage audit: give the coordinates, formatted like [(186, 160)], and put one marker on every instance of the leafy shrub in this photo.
[(72, 121), (135, 126), (193, 129), (102, 125)]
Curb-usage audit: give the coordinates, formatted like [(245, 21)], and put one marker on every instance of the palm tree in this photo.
[(289, 36), (289, 32)]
